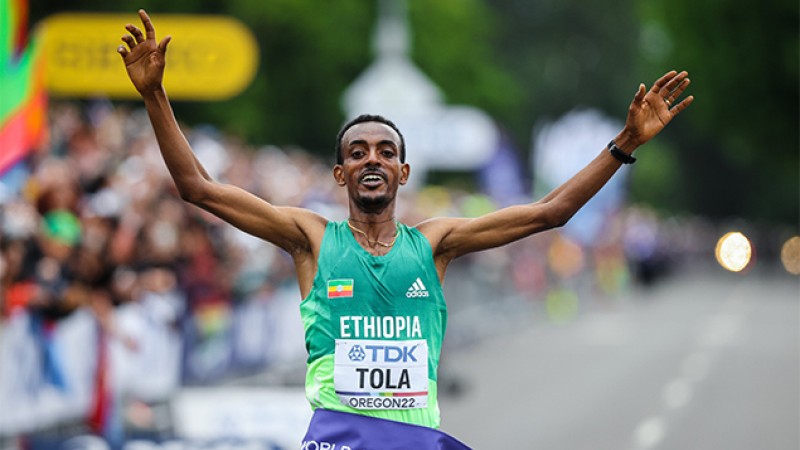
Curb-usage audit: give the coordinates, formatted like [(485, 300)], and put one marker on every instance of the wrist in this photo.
[(619, 154), (626, 142), (155, 94)]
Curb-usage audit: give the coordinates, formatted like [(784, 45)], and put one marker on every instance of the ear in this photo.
[(405, 172), (338, 175)]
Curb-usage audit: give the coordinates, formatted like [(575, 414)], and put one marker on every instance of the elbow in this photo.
[(557, 223), (563, 219), (195, 193), (561, 223), (188, 196), (556, 216)]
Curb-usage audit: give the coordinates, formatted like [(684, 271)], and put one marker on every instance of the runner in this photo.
[(373, 308)]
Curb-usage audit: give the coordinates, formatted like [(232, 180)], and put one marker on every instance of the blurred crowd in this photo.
[(114, 292), (112, 286)]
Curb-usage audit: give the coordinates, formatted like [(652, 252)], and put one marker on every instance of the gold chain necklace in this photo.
[(371, 242)]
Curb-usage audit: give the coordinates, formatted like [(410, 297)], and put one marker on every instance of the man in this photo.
[(373, 308)]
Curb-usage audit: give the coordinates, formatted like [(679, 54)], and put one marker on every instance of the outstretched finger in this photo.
[(136, 32), (148, 24), (128, 39), (122, 51), (163, 44), (672, 84), (676, 93), (661, 82), (682, 105)]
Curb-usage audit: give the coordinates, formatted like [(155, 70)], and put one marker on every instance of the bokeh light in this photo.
[(562, 305), (566, 258), (790, 255), (733, 251)]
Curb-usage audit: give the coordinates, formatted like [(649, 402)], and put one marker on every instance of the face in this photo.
[(371, 170)]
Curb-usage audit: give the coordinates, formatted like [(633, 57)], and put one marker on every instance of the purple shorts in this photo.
[(335, 430)]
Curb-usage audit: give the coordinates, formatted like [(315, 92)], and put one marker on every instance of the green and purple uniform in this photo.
[(374, 327)]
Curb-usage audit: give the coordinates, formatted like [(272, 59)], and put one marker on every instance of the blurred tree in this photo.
[(734, 153), (565, 54), (739, 147), (311, 51), (455, 44)]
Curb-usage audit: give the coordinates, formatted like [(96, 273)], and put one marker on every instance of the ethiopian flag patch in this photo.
[(340, 288)]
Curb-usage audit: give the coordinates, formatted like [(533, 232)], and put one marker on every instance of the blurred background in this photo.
[(664, 315)]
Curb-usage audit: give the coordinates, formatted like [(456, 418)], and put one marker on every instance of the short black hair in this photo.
[(368, 118)]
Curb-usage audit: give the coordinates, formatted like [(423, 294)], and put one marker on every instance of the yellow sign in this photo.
[(209, 57)]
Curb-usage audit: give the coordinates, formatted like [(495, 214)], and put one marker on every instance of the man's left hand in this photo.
[(652, 110)]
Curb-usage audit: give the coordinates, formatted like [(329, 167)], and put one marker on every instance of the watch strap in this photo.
[(619, 155)]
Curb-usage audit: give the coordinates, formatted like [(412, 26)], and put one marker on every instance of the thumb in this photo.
[(640, 93), (636, 104)]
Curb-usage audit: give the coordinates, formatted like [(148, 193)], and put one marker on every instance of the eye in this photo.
[(388, 153)]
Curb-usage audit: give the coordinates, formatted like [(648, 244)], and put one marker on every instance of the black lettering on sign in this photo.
[(87, 55), (405, 381), (382, 378), (361, 373), (376, 378)]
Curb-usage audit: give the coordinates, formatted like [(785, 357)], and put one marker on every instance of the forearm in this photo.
[(649, 112), (568, 198), (183, 166)]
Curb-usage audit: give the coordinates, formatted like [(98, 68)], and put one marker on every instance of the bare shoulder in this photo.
[(437, 229), (305, 216), (312, 226), (310, 223)]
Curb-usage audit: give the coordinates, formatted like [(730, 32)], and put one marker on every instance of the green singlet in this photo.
[(374, 327)]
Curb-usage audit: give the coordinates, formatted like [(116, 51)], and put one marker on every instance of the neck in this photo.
[(375, 234), (370, 221), (371, 218)]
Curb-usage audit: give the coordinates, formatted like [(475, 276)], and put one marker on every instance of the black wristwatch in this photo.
[(621, 156)]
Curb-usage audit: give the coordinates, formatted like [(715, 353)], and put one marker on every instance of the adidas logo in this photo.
[(417, 289)]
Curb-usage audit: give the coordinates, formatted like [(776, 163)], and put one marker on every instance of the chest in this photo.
[(379, 281)]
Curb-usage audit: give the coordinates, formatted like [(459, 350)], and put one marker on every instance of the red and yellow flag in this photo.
[(340, 288)]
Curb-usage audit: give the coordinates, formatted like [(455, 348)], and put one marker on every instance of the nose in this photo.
[(372, 157)]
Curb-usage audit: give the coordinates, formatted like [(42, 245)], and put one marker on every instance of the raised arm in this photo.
[(292, 229), (649, 112)]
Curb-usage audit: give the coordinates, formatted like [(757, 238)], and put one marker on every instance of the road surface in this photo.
[(704, 360)]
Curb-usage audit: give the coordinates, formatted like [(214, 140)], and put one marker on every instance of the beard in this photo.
[(373, 204)]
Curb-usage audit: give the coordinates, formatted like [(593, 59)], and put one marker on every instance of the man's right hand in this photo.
[(144, 59)]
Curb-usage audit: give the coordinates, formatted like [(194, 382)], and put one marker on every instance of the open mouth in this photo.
[(372, 179)]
